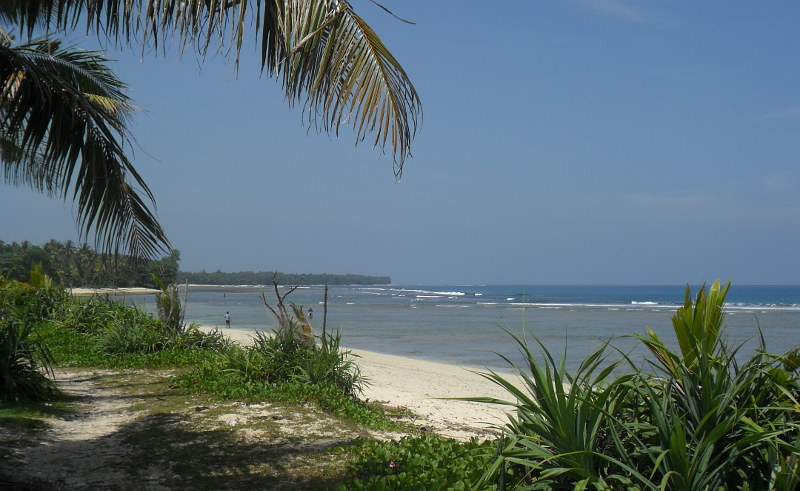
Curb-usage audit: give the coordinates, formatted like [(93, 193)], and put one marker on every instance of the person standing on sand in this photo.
[(228, 320)]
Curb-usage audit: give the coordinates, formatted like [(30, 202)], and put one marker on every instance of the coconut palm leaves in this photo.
[(324, 54), (348, 74), (62, 127)]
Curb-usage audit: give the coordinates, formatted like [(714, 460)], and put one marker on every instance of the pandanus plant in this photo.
[(699, 421)]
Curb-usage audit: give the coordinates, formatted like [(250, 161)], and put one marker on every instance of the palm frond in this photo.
[(63, 118), (325, 55)]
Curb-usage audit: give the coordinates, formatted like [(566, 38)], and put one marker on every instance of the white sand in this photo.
[(85, 292), (420, 386)]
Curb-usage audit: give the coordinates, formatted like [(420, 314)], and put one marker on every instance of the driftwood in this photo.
[(325, 312), (286, 323)]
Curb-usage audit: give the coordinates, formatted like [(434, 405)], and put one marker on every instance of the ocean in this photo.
[(464, 324)]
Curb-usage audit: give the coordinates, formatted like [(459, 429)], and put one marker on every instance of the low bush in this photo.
[(426, 463), (25, 360), (24, 363), (285, 367)]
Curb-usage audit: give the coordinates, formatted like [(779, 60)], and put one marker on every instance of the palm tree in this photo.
[(62, 126), (85, 260), (324, 54)]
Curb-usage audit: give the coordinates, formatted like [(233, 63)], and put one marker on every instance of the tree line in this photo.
[(265, 278), (82, 266)]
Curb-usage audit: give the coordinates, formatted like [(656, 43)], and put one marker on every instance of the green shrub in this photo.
[(718, 424), (117, 328), (31, 302), (138, 334), (24, 364), (329, 363), (285, 367), (426, 463), (701, 422), (286, 357), (25, 360)]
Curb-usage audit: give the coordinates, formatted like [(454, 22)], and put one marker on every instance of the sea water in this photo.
[(466, 325)]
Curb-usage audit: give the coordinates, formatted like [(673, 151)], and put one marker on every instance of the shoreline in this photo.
[(424, 387), (135, 290)]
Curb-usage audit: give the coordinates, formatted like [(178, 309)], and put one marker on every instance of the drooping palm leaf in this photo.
[(63, 118), (324, 54)]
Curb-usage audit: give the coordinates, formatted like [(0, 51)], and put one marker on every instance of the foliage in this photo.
[(94, 330), (703, 421), (25, 361), (562, 427), (63, 118), (30, 301), (324, 54), (287, 368), (115, 328), (21, 357), (264, 277), (332, 364), (724, 424), (168, 304), (423, 463), (74, 266), (98, 331)]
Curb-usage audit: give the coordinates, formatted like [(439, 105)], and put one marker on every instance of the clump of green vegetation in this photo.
[(425, 463), (284, 366), (25, 361), (289, 365), (702, 421)]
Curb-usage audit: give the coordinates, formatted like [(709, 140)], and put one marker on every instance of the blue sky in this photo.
[(563, 142)]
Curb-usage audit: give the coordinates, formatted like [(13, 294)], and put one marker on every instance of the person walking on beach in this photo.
[(228, 320)]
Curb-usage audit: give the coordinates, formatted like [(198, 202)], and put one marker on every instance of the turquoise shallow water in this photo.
[(463, 325)]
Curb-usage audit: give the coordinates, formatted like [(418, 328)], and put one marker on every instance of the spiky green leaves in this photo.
[(63, 118)]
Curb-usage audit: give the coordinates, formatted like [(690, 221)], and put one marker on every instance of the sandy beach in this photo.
[(87, 292), (423, 387)]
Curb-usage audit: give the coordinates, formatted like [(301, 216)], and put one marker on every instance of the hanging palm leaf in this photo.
[(324, 54), (63, 117)]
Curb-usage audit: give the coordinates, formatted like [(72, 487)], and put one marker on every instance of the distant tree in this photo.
[(265, 278), (84, 266)]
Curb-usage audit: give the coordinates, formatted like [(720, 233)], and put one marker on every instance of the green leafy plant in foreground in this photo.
[(25, 361), (426, 463), (701, 422), (719, 424), (562, 429)]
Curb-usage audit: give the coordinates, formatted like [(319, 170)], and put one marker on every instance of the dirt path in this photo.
[(82, 448), (131, 430)]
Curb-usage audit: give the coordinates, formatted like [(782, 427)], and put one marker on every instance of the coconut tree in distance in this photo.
[(63, 114)]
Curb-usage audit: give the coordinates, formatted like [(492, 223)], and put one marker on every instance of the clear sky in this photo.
[(563, 142)]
